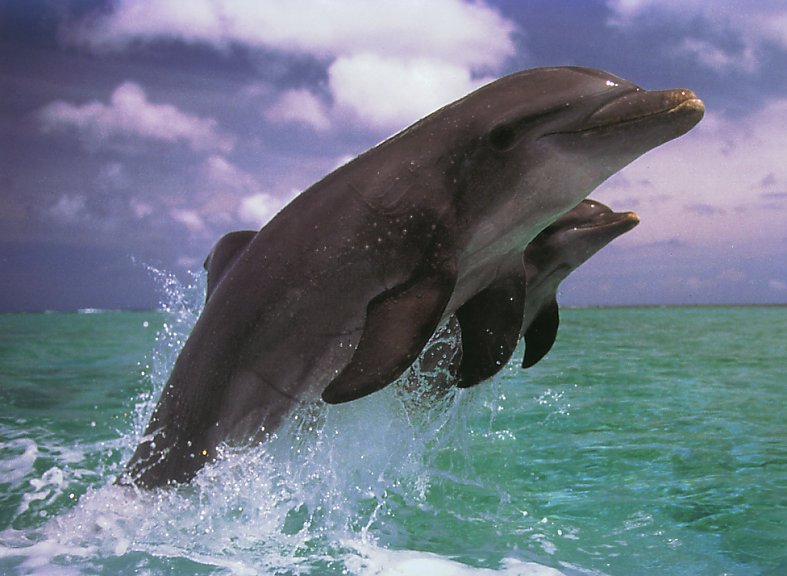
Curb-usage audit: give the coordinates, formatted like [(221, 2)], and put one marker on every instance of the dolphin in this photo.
[(338, 294), (552, 256), (480, 339)]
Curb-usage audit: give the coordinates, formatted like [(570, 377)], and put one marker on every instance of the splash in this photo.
[(329, 493), (182, 304)]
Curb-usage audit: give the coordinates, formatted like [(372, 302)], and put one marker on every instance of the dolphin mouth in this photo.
[(615, 222), (638, 104)]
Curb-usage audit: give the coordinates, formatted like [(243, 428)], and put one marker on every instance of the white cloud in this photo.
[(191, 219), (140, 209), (223, 185), (393, 92), (300, 106), (68, 208), (342, 160), (257, 209), (717, 58), (470, 33), (222, 175), (130, 114), (375, 51), (225, 196), (754, 24)]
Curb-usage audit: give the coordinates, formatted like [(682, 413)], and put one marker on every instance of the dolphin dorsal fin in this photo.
[(541, 334), (223, 255)]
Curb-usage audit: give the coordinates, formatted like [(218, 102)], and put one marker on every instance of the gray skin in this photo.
[(522, 302), (552, 256), (337, 295)]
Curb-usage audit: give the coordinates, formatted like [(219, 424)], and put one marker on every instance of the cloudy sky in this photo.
[(134, 133)]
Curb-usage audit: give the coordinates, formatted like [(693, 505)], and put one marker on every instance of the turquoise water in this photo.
[(649, 441)]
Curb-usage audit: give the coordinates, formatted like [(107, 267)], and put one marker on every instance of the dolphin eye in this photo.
[(502, 137)]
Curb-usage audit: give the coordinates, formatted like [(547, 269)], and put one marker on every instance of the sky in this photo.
[(134, 133)]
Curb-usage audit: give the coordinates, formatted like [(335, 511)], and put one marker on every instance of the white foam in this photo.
[(38, 557), (375, 561), (46, 490), (14, 469)]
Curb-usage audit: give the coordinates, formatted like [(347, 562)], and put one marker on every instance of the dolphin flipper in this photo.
[(224, 254), (491, 322), (541, 334), (399, 323)]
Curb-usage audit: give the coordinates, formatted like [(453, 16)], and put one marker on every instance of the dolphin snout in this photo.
[(638, 104)]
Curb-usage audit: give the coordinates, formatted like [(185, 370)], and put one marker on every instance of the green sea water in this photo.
[(649, 441)]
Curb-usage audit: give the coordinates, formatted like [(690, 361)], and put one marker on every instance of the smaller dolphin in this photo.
[(559, 250), (489, 332)]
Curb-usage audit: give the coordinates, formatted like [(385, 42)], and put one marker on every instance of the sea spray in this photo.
[(332, 478), (181, 303)]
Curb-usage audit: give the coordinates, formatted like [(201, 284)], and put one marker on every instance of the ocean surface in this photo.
[(649, 441)]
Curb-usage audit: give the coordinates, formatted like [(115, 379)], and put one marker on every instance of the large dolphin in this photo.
[(480, 339), (337, 295)]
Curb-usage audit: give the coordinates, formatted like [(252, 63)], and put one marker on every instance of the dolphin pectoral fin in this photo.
[(224, 253), (541, 334), (399, 323), (490, 322)]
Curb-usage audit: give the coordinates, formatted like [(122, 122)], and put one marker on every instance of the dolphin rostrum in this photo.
[(338, 294)]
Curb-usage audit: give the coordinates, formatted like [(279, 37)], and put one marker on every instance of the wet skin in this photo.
[(338, 294)]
